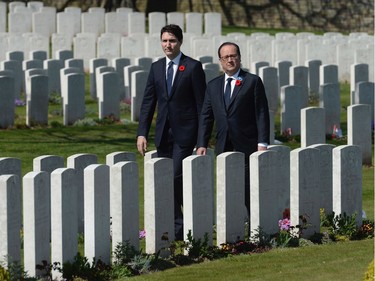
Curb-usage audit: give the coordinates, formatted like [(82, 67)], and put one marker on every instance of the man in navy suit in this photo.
[(176, 84), (239, 108)]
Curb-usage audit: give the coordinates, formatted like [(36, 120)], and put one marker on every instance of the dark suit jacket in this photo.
[(246, 121), (181, 109)]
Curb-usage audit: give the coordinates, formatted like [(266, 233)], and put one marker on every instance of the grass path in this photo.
[(345, 261)]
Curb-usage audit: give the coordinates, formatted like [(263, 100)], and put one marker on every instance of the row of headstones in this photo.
[(43, 20), (314, 80), (109, 84), (304, 180), (310, 76), (330, 48), (340, 50), (107, 87)]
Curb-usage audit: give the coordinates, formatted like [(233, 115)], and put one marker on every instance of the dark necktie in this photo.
[(169, 77), (227, 92)]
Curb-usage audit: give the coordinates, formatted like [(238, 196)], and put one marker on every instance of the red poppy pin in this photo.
[(181, 68), (238, 81)]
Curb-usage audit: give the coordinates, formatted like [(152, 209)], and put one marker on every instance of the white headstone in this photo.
[(84, 47), (230, 197), (158, 205), (347, 181), (92, 22), (137, 91), (156, 21), (268, 74), (212, 23), (10, 220), (325, 174), (305, 189), (124, 203), (198, 194), (176, 18), (3, 12), (312, 126), (36, 221), (60, 42), (37, 101), (108, 46), (359, 130), (97, 213), (117, 23), (79, 162), (194, 23), (314, 82), (95, 63), (108, 89), (20, 21), (7, 104), (291, 105), (265, 205), (64, 223), (136, 22), (329, 99), (73, 98)]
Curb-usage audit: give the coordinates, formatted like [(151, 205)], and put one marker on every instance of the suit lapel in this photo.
[(238, 85), (179, 73)]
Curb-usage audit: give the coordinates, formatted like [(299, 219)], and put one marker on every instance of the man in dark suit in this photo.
[(177, 85), (237, 103)]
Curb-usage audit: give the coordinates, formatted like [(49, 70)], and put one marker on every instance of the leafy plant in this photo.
[(260, 238), (86, 122), (129, 261), (342, 226), (46, 268), (14, 272), (82, 268), (124, 252), (4, 274), (141, 264), (55, 98), (197, 249), (120, 271)]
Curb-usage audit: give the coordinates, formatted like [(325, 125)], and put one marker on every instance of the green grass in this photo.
[(346, 261)]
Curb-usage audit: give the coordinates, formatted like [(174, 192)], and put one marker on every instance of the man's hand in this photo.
[(141, 145), (201, 151)]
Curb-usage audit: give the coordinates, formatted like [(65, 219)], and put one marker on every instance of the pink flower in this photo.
[(142, 234), (284, 224)]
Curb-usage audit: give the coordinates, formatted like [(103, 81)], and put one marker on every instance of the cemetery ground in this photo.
[(346, 260)]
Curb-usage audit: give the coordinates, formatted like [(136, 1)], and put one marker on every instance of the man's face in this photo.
[(229, 59), (170, 44)]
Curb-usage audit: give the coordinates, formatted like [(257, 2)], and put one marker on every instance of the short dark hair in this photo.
[(174, 29), (227, 44)]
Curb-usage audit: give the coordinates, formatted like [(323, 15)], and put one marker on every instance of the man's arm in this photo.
[(146, 114), (206, 122), (262, 115)]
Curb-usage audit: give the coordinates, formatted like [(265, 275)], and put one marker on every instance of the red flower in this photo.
[(181, 68), (286, 213), (238, 82)]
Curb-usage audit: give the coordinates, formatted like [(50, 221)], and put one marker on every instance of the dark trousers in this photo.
[(177, 153)]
